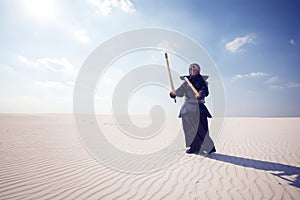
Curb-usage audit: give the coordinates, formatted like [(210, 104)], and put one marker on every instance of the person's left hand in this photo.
[(198, 96), (172, 95)]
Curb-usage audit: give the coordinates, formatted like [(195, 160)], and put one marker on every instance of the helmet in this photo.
[(195, 66)]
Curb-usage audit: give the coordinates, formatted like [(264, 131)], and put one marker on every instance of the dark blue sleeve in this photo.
[(204, 91)]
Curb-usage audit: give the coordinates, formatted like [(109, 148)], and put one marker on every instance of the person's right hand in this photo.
[(198, 96), (172, 94)]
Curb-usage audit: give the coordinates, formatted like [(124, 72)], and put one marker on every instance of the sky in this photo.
[(255, 46)]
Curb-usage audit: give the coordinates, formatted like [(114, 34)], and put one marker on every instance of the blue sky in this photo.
[(255, 45)]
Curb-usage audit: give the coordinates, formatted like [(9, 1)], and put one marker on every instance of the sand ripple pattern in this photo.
[(42, 158)]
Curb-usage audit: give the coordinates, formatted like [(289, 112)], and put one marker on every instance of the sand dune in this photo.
[(42, 157)]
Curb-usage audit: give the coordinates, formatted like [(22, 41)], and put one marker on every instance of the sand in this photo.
[(42, 157)]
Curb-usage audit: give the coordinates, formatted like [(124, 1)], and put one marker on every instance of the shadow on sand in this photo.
[(277, 169)]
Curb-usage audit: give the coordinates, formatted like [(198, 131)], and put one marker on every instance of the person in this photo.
[(194, 113)]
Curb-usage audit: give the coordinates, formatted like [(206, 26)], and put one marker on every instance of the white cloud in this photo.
[(238, 76), (62, 65), (234, 45), (7, 69), (272, 80), (54, 84), (46, 10), (24, 60), (288, 85), (275, 83), (164, 44), (293, 85), (81, 35), (292, 42), (276, 87), (105, 6), (252, 74), (256, 74)]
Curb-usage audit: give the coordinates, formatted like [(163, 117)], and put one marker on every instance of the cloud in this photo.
[(62, 65), (285, 86), (42, 11), (252, 74), (238, 76), (164, 44), (272, 80), (293, 85), (276, 87), (54, 84), (105, 6), (234, 45), (292, 42), (257, 74), (81, 35)]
